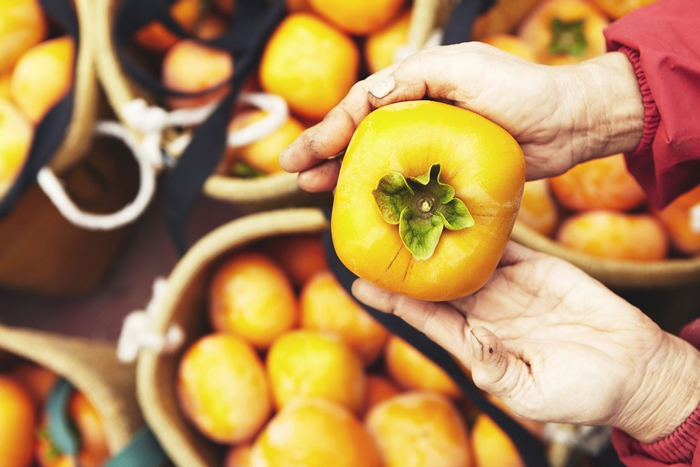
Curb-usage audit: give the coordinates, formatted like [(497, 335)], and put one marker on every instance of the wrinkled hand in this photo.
[(556, 345), (560, 115)]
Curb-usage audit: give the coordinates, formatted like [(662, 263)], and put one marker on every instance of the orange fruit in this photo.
[(263, 154), (157, 38), (37, 380), (615, 235), (301, 256), (16, 135), (381, 46), (327, 307), (23, 26), (294, 6), (239, 456), (358, 18), (211, 26), (512, 44), (682, 221), (304, 364), (379, 389), (419, 429), (310, 64), (251, 296), (538, 210), (618, 8), (223, 389), (191, 67), (42, 76), (492, 446), (413, 370), (601, 183), (17, 415), (314, 433), (5, 80)]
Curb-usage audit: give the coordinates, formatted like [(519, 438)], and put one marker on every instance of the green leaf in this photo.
[(455, 215), (420, 234), (392, 195), (568, 37)]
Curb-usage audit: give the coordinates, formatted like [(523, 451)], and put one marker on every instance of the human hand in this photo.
[(557, 346), (560, 115)]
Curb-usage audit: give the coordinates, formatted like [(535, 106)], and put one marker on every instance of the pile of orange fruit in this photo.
[(597, 207), (295, 372), (25, 440), (36, 71)]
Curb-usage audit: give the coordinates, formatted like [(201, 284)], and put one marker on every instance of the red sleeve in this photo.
[(680, 448), (662, 40)]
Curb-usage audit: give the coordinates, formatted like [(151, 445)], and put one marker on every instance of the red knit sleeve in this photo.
[(680, 448), (663, 44)]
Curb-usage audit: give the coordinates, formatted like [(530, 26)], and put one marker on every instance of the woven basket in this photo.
[(278, 190), (91, 366), (184, 305)]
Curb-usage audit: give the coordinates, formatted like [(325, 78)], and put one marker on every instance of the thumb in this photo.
[(494, 369)]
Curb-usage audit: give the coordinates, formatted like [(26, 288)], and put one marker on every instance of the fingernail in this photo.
[(477, 347), (383, 87)]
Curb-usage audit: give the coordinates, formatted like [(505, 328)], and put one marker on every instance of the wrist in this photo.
[(609, 115), (668, 395)]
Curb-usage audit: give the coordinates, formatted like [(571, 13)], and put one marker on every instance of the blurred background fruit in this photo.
[(23, 26), (358, 18), (17, 416), (16, 135)]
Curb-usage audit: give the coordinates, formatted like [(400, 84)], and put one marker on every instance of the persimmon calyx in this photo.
[(568, 37), (422, 207)]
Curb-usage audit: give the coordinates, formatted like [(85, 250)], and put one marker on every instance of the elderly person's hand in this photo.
[(560, 115), (556, 345)]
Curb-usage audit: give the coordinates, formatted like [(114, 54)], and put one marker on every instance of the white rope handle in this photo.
[(277, 114), (694, 218)]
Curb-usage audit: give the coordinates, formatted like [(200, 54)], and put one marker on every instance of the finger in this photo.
[(439, 321), (321, 178), (493, 368)]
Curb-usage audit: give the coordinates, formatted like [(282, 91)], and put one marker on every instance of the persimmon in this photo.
[(327, 307), (222, 388), (682, 221), (16, 135), (17, 424), (309, 63), (381, 46), (615, 235), (603, 183), (37, 380), (263, 154), (314, 432), (302, 364), (426, 199), (239, 456), (22, 27), (301, 255), (412, 370), (191, 67), (379, 389), (564, 31), (538, 210), (358, 18), (616, 9), (491, 446), (5, 80), (251, 296), (30, 88), (419, 429), (512, 44), (157, 38)]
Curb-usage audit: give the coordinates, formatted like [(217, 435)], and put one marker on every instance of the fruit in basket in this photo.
[(381, 46), (310, 64), (5, 80), (615, 235), (301, 256), (239, 456), (412, 370), (538, 210), (191, 67), (17, 415), (37, 380), (23, 26), (682, 221), (303, 364), (327, 307), (618, 8), (31, 89), (492, 446), (314, 433), (251, 296), (379, 389), (419, 429), (223, 389), (157, 38), (426, 199), (93, 443), (564, 31), (262, 155), (603, 183), (512, 44), (16, 135), (358, 18)]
